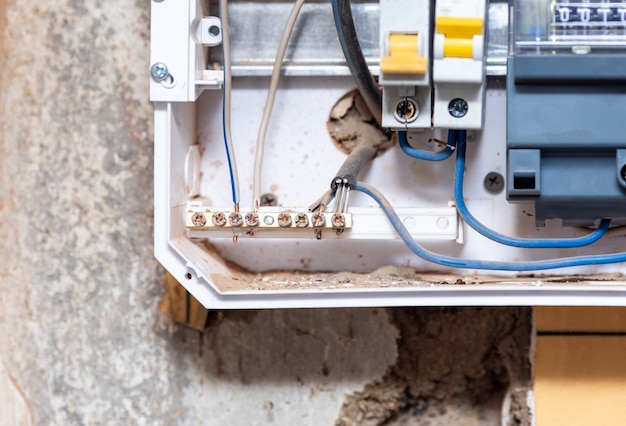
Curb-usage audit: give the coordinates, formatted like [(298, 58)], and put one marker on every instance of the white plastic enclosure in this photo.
[(366, 265)]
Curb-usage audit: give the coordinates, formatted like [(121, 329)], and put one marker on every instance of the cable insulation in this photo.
[(467, 216), (269, 103), (427, 155), (342, 13), (439, 259), (226, 101)]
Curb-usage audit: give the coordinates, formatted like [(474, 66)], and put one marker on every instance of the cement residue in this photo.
[(454, 366), (350, 122)]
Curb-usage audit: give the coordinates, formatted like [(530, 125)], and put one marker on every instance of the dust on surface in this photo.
[(350, 122), (388, 277), (455, 366)]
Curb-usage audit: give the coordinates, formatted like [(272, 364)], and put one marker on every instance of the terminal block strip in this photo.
[(212, 219)]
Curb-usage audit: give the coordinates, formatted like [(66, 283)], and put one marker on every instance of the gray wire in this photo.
[(269, 103), (349, 41)]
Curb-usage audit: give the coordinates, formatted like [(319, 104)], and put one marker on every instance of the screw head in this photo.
[(338, 220), (159, 72), (318, 219), (235, 219), (268, 199), (406, 111), (198, 219), (284, 220), (252, 219), (493, 182), (302, 220), (218, 219), (458, 107), (268, 220)]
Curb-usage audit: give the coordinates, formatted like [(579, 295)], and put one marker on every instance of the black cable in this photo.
[(349, 171), (353, 53)]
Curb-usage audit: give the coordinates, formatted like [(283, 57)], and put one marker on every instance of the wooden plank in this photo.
[(181, 306), (580, 380), (580, 318)]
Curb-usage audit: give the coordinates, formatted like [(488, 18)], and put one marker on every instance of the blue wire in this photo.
[(230, 165), (481, 264), (459, 172), (427, 155), (228, 153)]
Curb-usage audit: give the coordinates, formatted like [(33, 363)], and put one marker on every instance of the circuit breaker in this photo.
[(389, 152)]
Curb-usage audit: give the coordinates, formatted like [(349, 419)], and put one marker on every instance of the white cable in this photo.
[(227, 98), (269, 103)]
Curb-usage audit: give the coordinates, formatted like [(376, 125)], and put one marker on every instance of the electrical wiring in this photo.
[(342, 13), (427, 155), (439, 259), (323, 201), (467, 216), (269, 103), (615, 232), (362, 154), (226, 101)]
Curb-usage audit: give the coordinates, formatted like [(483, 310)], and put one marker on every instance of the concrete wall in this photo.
[(82, 340)]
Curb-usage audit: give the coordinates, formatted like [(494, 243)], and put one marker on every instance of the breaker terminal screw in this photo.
[(159, 72), (302, 220), (318, 219), (198, 219), (284, 220), (235, 219), (252, 219), (406, 111), (338, 220), (458, 107), (218, 219)]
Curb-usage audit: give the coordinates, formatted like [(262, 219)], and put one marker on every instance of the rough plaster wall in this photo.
[(80, 331)]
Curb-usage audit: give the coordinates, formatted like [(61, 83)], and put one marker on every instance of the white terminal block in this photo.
[(404, 66), (458, 64)]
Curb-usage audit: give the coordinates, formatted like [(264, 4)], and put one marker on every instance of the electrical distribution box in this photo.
[(266, 192)]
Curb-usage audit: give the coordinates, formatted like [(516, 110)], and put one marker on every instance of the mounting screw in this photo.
[(458, 107), (159, 72), (406, 111), (494, 182), (268, 199)]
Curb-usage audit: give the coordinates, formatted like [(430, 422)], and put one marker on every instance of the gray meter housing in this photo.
[(566, 136)]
